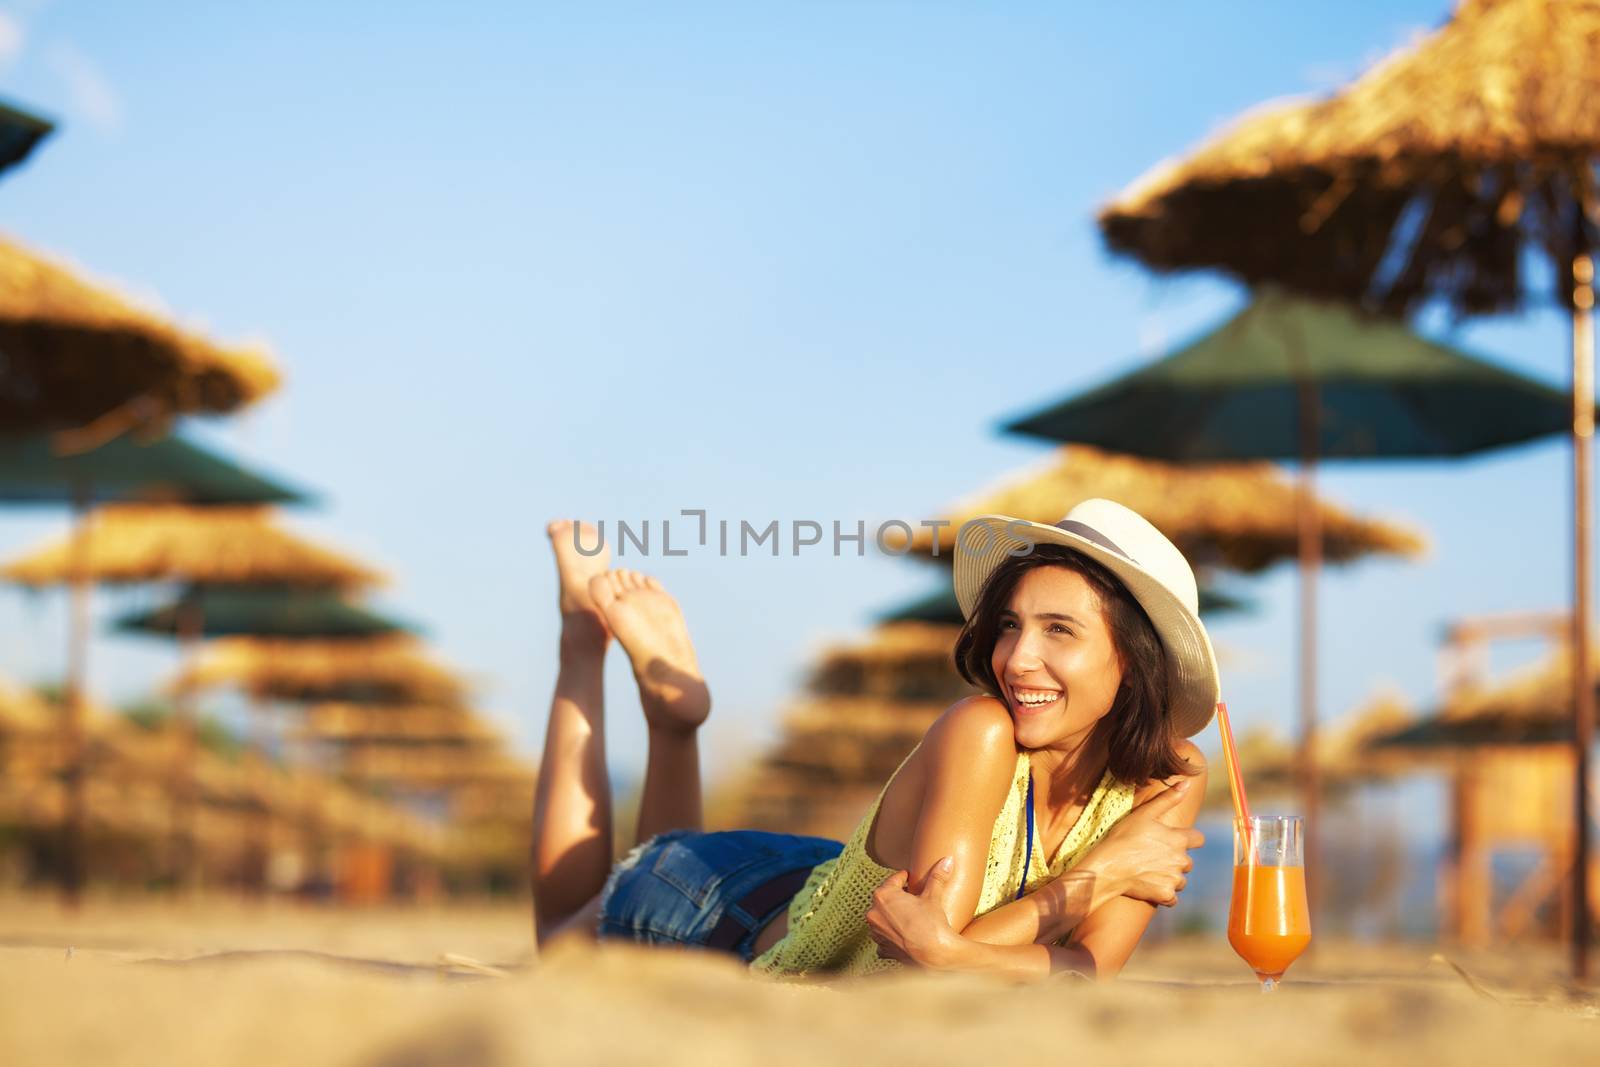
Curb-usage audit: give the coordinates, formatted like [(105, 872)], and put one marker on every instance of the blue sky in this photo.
[(778, 261)]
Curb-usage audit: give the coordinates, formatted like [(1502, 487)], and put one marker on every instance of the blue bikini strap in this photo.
[(1027, 858)]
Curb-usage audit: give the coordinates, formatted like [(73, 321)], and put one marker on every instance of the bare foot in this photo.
[(651, 628), (580, 617)]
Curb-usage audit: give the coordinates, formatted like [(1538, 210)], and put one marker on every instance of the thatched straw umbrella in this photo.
[(136, 543), (401, 724), (1531, 707), (1431, 176), (20, 134), (1235, 516), (388, 670), (904, 661), (80, 353), (140, 543)]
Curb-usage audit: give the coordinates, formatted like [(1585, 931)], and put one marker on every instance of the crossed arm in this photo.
[(1099, 909)]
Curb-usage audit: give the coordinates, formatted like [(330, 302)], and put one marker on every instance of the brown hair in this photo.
[(1138, 728)]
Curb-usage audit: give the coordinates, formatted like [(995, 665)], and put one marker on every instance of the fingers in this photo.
[(1168, 897), (1161, 888), (895, 883), (1165, 800), (936, 883), (1193, 839)]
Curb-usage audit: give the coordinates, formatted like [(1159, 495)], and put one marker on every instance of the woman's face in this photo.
[(1054, 659)]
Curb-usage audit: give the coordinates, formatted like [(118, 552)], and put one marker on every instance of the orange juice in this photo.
[(1269, 924)]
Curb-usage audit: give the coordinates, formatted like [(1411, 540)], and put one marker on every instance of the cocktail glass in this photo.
[(1269, 923)]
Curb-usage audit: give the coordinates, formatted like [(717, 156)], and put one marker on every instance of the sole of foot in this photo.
[(650, 625)]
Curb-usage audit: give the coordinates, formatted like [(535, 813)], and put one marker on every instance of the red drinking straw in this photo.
[(1230, 756)]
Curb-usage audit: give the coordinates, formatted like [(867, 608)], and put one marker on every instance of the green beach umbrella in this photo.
[(1294, 378), (261, 611), (20, 134), (167, 470)]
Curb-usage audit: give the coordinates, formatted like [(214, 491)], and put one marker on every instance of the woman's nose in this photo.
[(1024, 654)]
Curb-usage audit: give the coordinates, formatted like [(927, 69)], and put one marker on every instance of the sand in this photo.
[(217, 983)]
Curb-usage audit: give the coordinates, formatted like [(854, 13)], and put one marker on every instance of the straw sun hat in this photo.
[(1149, 565)]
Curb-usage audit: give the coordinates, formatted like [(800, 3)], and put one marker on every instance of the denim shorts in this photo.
[(678, 886)]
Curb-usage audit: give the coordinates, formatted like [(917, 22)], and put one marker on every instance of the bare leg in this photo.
[(651, 628), (572, 807)]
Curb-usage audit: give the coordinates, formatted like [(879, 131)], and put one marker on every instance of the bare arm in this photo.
[(1111, 933), (1050, 913), (1144, 857), (948, 803)]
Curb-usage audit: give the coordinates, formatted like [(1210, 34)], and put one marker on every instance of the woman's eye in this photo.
[(1007, 624), (1058, 628)]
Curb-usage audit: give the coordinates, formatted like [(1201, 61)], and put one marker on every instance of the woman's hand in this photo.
[(1145, 857), (912, 927)]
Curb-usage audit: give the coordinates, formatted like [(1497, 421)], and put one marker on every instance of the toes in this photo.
[(557, 527), (618, 584)]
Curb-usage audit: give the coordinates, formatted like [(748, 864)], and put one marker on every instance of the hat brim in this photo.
[(989, 540)]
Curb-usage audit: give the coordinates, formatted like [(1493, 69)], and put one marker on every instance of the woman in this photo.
[(1045, 819)]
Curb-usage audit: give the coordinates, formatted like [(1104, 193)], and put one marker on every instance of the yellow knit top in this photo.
[(827, 918)]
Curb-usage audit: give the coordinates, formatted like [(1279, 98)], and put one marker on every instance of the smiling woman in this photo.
[(1050, 815)]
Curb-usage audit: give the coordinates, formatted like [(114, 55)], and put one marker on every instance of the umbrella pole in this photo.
[(73, 860), (261, 748), (1582, 567), (189, 626), (1310, 551)]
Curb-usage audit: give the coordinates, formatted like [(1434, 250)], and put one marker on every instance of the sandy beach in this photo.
[(228, 983)]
